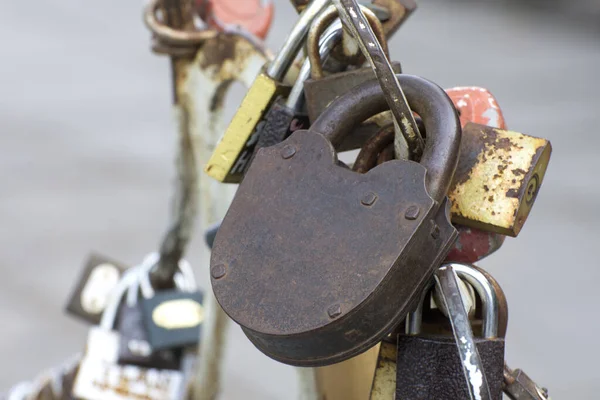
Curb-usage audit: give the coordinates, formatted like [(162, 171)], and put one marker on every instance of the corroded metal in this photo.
[(355, 21), (498, 178), (289, 227), (202, 84), (321, 23)]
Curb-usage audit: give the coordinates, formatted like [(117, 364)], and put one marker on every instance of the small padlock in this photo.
[(321, 90), (429, 366), (234, 151), (135, 348), (287, 116), (173, 318), (97, 280), (100, 377), (289, 263)]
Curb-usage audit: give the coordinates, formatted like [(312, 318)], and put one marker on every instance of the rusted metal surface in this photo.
[(320, 93), (202, 84), (477, 105), (355, 21), (399, 11), (499, 173), (472, 244), (322, 22), (338, 300), (498, 178)]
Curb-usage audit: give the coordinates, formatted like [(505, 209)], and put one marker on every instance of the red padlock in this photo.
[(253, 16), (477, 105)]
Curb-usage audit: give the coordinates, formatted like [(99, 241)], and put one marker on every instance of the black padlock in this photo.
[(429, 365), (173, 318), (296, 262), (134, 346)]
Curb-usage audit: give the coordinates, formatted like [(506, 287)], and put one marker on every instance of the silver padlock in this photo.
[(100, 377)]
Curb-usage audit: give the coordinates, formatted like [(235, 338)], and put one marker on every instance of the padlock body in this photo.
[(319, 93), (429, 368), (134, 345), (497, 179), (173, 319), (330, 261), (92, 291), (98, 380), (99, 377), (234, 151)]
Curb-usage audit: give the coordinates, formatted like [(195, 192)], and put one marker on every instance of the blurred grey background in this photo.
[(86, 163)]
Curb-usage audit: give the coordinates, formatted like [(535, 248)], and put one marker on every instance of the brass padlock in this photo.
[(499, 172), (290, 263), (498, 178)]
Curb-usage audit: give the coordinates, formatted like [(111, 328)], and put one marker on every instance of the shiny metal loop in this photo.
[(447, 279), (130, 277), (329, 40), (282, 61), (324, 20), (487, 294), (173, 36)]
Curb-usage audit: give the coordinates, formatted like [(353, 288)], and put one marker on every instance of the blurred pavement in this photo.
[(86, 163)]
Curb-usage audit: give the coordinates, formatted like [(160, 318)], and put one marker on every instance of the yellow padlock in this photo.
[(234, 151)]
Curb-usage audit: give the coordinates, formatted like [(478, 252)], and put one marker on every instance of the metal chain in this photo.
[(169, 36)]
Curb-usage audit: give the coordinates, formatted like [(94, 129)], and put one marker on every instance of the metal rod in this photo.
[(330, 38), (295, 40), (447, 283), (357, 23), (489, 298)]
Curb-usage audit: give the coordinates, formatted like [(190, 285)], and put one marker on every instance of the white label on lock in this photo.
[(99, 380)]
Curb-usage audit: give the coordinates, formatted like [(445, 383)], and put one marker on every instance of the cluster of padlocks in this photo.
[(325, 263)]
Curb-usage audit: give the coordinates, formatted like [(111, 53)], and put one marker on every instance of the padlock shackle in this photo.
[(327, 18), (490, 301), (294, 41), (331, 37), (427, 99)]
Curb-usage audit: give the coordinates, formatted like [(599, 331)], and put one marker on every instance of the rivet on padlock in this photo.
[(320, 208)]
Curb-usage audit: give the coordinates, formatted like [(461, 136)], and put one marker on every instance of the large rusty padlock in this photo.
[(296, 262)]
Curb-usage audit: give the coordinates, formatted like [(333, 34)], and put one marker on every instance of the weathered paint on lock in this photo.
[(475, 104)]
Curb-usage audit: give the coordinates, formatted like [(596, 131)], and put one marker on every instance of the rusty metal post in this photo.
[(178, 15)]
